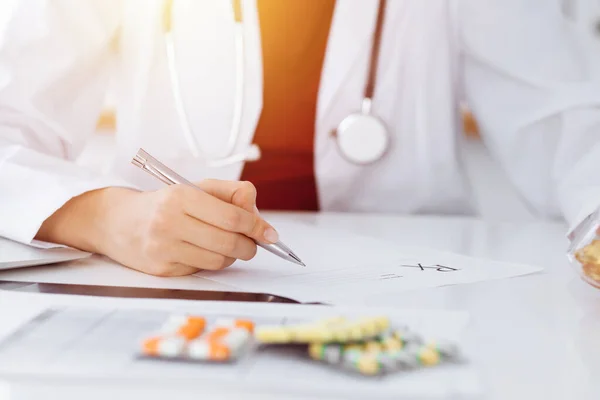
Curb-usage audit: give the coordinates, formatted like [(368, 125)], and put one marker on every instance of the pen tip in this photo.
[(295, 259)]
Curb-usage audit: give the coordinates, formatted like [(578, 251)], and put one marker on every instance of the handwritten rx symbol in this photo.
[(437, 267)]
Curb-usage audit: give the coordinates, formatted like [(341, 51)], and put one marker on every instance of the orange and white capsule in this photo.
[(205, 350), (172, 324), (150, 346), (193, 327), (190, 326), (237, 339), (168, 347), (216, 334), (236, 323)]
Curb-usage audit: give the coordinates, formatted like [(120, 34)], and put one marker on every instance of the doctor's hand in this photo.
[(174, 231)]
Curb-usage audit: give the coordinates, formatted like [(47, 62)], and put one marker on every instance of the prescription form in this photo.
[(346, 268), (78, 339)]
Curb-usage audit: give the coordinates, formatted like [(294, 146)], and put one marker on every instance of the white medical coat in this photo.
[(519, 64)]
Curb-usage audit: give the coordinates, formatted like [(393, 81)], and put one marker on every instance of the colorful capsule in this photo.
[(325, 335), (446, 349), (354, 347), (217, 333), (355, 333), (193, 328), (387, 362), (189, 327), (167, 347), (150, 346), (237, 339), (316, 351), (391, 344), (172, 324), (366, 364), (171, 347), (235, 323), (383, 323), (341, 334), (333, 354), (426, 356), (368, 327), (373, 347), (404, 360), (273, 334), (205, 350), (407, 337), (308, 333)]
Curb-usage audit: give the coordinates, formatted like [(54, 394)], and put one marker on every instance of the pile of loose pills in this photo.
[(589, 257)]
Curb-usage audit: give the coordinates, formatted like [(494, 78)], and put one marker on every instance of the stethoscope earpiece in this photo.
[(228, 157), (253, 153)]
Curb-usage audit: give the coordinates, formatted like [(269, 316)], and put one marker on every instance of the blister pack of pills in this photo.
[(391, 352), (367, 345), (191, 338), (339, 330)]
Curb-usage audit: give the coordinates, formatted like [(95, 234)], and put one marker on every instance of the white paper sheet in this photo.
[(96, 339), (17, 255), (344, 268)]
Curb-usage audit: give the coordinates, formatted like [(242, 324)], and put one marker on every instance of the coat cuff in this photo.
[(578, 205), (31, 196)]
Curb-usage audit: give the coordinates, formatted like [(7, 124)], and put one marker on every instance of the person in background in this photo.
[(334, 106)]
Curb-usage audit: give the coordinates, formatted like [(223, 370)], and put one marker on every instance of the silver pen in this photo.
[(157, 169)]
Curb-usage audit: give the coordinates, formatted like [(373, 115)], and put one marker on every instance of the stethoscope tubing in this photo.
[(228, 156)]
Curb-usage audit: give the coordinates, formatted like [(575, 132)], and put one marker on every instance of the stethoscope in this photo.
[(362, 138)]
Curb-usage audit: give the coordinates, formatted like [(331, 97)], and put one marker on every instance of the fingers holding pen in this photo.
[(229, 244), (180, 229), (226, 216), (201, 258)]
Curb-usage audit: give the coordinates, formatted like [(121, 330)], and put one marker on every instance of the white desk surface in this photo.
[(534, 337)]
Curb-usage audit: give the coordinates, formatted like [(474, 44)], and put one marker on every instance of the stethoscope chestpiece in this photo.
[(361, 137)]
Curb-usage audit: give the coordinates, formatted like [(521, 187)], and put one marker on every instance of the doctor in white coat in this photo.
[(521, 67)]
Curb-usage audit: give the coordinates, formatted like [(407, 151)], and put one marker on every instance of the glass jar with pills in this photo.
[(584, 249)]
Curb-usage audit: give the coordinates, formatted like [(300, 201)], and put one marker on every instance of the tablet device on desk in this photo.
[(142, 293), (17, 255)]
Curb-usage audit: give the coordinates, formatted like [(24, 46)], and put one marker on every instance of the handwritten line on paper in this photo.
[(328, 278), (437, 267)]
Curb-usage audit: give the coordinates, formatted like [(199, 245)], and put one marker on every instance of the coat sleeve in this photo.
[(55, 64), (532, 81)]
